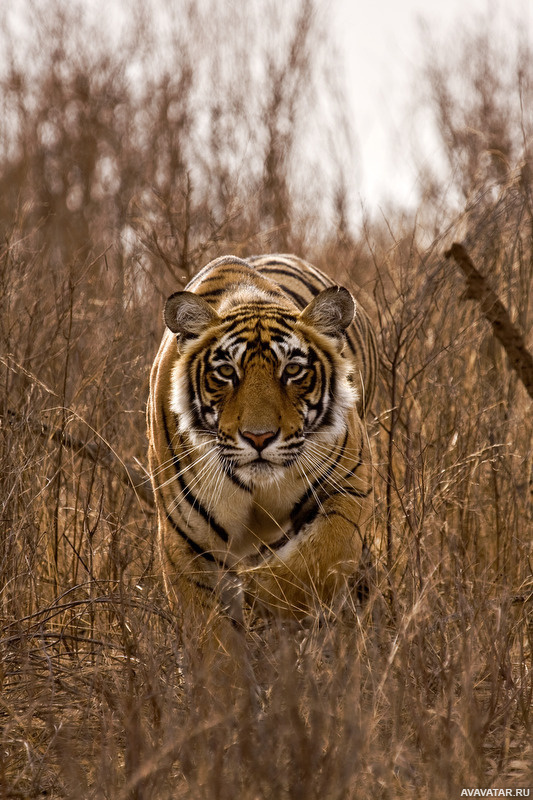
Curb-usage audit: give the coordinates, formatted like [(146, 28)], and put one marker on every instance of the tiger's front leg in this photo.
[(208, 608)]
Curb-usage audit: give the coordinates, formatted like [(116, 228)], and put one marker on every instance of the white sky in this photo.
[(382, 47)]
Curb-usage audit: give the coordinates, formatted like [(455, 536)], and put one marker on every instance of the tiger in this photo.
[(258, 451)]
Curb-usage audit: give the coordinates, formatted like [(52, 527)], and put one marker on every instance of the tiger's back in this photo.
[(258, 453)]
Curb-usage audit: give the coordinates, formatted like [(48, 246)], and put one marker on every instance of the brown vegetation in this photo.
[(114, 189)]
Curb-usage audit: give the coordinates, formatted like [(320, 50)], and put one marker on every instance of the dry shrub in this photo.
[(114, 190)]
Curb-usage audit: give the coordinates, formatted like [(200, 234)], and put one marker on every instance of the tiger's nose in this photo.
[(259, 439)]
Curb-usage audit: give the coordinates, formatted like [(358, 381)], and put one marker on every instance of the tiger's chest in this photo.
[(258, 519)]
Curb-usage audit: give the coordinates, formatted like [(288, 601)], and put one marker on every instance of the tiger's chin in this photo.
[(260, 473)]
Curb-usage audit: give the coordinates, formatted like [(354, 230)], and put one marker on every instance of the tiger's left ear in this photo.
[(331, 311)]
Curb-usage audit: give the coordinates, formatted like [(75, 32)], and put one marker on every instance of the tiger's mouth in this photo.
[(260, 472), (261, 464), (263, 467), (269, 465)]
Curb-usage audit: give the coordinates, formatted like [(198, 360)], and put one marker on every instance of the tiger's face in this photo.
[(260, 382)]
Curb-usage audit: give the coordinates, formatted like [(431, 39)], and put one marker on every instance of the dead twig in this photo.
[(495, 312), (129, 473)]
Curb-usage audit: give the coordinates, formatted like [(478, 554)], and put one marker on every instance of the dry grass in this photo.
[(112, 193)]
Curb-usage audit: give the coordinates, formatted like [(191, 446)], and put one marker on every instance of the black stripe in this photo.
[(186, 491), (296, 276), (265, 549), (247, 314), (298, 507), (357, 350), (323, 417), (300, 301), (187, 539), (205, 274), (356, 492), (229, 472), (335, 513), (292, 270)]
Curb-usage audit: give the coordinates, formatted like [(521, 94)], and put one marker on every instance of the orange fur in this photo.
[(257, 448)]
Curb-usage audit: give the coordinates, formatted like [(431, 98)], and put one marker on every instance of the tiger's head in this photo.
[(260, 379)]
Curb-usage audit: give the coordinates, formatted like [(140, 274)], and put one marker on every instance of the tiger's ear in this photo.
[(187, 313), (331, 311)]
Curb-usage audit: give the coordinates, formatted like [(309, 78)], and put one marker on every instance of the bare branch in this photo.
[(129, 473), (495, 312)]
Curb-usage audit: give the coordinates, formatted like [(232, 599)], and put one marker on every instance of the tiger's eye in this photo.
[(293, 369), (226, 370)]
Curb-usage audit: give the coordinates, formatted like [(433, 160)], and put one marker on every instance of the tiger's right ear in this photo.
[(187, 313), (331, 311)]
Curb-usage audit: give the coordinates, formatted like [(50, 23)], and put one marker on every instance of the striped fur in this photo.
[(257, 449)]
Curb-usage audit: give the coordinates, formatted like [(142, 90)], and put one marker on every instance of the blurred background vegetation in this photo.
[(135, 146)]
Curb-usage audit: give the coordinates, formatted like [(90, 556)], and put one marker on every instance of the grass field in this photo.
[(112, 195)]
